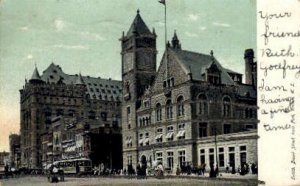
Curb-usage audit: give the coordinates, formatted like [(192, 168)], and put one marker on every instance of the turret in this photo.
[(250, 67), (35, 78), (175, 41)]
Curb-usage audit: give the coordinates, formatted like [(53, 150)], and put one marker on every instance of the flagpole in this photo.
[(166, 24), (164, 2), (166, 44)]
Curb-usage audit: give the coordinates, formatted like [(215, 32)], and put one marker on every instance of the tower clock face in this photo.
[(128, 62)]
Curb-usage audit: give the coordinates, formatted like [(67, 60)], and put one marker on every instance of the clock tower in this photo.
[(138, 73)]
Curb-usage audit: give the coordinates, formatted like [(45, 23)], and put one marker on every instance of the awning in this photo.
[(180, 133), (158, 136), (146, 140), (141, 140), (129, 141), (169, 135)]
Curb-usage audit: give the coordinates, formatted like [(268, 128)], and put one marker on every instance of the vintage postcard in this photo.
[(154, 92)]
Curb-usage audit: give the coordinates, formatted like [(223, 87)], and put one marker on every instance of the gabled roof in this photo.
[(79, 80), (138, 26), (96, 88), (197, 63)]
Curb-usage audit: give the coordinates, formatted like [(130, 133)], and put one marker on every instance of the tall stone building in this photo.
[(191, 110), (92, 101)]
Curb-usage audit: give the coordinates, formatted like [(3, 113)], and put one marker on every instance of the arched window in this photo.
[(180, 106), (158, 112), (169, 108), (226, 107), (202, 105)]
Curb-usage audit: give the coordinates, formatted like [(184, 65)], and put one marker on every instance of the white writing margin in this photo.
[(278, 65)]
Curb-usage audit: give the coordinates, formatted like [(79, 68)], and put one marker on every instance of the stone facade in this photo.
[(92, 101), (190, 104)]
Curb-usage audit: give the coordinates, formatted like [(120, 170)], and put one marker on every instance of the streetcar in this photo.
[(75, 166)]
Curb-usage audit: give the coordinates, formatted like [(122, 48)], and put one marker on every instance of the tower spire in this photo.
[(36, 78), (35, 74), (175, 41)]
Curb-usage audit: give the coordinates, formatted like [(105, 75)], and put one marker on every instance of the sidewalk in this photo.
[(225, 176)]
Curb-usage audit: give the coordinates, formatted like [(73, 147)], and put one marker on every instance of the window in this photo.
[(104, 116), (202, 156), (172, 82), (159, 134), (211, 157), (249, 126), (249, 113), (202, 130), (128, 115), (59, 112), (92, 115), (158, 112), (181, 131), (170, 133), (180, 106), (213, 74), (243, 155), (169, 83), (181, 157), (146, 103), (221, 157), (141, 140), (146, 140), (243, 148), (170, 160), (226, 107), (169, 108), (159, 157), (227, 128), (129, 141), (71, 113), (202, 105), (129, 159)]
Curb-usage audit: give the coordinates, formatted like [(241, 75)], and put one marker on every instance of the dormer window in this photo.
[(213, 74)]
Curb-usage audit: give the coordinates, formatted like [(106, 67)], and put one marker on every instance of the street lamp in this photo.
[(216, 148)]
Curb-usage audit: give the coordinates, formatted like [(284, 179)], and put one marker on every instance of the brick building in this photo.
[(92, 101), (190, 110), (68, 138)]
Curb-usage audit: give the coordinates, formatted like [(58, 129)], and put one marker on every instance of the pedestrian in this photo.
[(203, 168), (178, 170), (227, 168)]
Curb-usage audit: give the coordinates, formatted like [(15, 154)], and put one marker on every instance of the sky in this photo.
[(82, 36)]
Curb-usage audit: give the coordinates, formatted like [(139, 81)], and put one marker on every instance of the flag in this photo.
[(162, 2)]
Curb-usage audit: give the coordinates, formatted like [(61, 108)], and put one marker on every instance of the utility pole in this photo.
[(216, 148)]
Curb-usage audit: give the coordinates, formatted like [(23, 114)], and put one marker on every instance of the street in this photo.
[(93, 181)]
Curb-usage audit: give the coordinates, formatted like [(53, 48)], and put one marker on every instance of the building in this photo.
[(92, 101), (191, 110), (15, 151), (68, 138), (4, 159)]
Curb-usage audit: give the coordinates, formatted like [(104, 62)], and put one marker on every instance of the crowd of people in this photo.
[(141, 171)]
